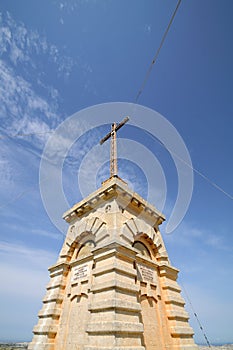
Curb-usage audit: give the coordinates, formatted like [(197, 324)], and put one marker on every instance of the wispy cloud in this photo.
[(28, 230), (147, 28), (26, 281), (24, 270), (21, 109), (28, 102), (21, 44), (190, 235), (18, 170), (5, 172), (69, 6), (24, 275), (15, 252)]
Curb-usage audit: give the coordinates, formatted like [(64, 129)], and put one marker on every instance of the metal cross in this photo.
[(113, 152)]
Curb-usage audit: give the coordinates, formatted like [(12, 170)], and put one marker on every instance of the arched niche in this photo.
[(92, 229), (86, 248), (142, 249), (135, 229), (145, 246)]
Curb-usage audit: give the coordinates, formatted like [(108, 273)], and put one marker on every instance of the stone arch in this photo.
[(135, 229), (151, 322), (81, 242), (149, 298), (78, 233), (75, 322), (142, 248), (85, 248), (78, 297), (144, 239)]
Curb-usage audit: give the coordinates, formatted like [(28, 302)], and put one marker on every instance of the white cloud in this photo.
[(22, 109), (20, 226), (19, 100), (22, 255), (24, 275), (147, 28), (18, 171), (46, 233), (21, 44), (25, 280), (28, 105), (68, 6), (5, 172), (187, 235)]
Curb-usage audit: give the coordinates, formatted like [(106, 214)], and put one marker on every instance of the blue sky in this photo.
[(59, 57)]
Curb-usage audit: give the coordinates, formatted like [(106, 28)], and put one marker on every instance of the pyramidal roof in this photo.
[(114, 188)]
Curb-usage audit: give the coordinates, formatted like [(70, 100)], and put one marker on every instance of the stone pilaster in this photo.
[(115, 319), (113, 287), (180, 331), (46, 330)]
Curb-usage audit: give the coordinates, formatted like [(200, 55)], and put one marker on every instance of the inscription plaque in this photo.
[(80, 272), (146, 274)]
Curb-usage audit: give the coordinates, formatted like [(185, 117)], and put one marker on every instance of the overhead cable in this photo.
[(191, 167), (157, 52), (195, 314), (212, 183)]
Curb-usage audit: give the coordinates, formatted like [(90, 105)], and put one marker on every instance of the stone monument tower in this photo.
[(113, 287)]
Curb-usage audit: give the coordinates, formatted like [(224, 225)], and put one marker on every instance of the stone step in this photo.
[(114, 327), (114, 284), (117, 304), (181, 331), (43, 329)]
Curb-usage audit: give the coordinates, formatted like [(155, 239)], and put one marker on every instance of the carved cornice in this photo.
[(114, 188)]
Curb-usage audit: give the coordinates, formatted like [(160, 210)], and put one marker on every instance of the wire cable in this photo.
[(157, 52), (137, 97), (142, 87), (195, 314), (212, 183), (191, 167)]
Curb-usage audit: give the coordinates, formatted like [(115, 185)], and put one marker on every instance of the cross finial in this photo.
[(113, 152)]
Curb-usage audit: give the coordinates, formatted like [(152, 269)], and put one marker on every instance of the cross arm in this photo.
[(122, 123), (105, 138)]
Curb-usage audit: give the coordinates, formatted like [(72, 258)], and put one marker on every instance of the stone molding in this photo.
[(115, 188), (111, 296)]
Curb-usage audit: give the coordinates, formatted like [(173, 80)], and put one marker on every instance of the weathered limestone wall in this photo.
[(115, 313), (113, 286)]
